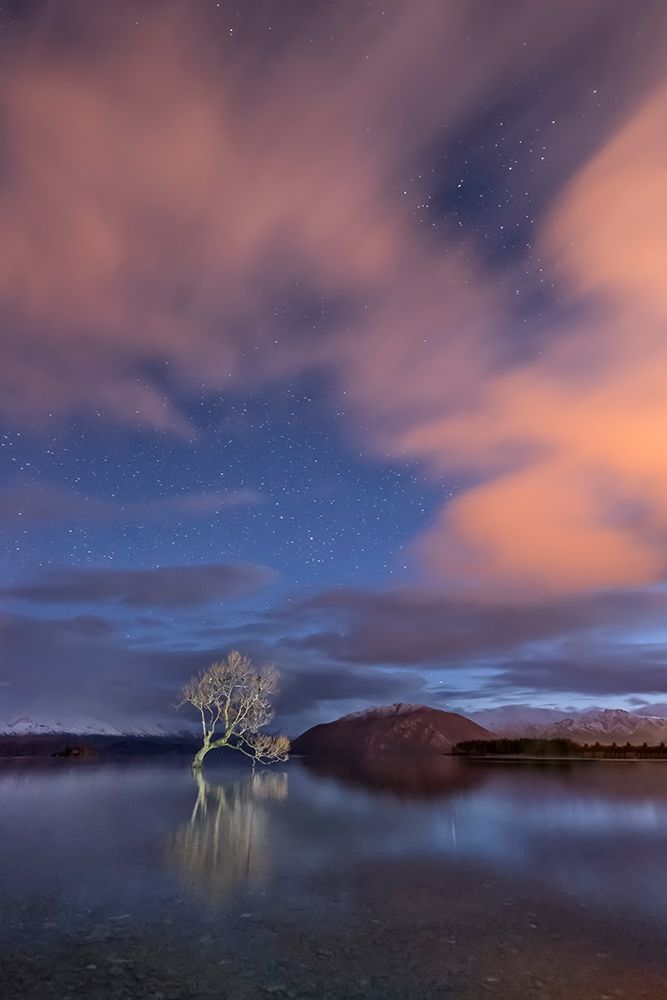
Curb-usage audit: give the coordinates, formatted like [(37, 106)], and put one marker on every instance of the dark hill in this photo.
[(392, 729)]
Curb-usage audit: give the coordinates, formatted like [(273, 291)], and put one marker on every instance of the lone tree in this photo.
[(233, 699)]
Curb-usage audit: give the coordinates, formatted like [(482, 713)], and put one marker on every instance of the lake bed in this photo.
[(414, 878)]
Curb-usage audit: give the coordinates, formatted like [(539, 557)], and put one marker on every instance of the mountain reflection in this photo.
[(420, 776), (226, 840)]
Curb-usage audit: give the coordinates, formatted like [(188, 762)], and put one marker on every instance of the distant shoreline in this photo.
[(520, 758), (527, 748)]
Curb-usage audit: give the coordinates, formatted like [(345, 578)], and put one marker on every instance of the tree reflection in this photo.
[(226, 841)]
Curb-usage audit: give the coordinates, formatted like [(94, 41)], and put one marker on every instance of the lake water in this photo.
[(423, 879)]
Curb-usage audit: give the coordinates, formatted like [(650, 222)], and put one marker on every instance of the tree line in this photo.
[(558, 748)]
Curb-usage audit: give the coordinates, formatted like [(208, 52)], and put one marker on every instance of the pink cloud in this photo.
[(160, 203), (160, 200)]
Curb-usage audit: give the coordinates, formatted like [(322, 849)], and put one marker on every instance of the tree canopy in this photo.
[(234, 701)]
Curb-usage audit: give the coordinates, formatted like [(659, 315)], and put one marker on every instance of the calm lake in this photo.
[(415, 879)]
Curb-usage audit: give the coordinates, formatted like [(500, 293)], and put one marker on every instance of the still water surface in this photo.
[(432, 878)]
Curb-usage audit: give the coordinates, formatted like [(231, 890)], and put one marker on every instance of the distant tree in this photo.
[(233, 699)]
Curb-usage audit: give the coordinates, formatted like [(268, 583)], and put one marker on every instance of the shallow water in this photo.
[(424, 878)]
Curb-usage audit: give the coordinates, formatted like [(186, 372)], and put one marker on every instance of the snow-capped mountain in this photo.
[(658, 710), (611, 725), (601, 725), (27, 726), (517, 720)]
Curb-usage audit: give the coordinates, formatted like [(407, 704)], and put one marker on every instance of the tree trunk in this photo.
[(198, 759)]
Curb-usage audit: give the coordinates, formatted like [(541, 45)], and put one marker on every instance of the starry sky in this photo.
[(334, 332)]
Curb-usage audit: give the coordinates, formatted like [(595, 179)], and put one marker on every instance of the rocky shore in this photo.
[(442, 935)]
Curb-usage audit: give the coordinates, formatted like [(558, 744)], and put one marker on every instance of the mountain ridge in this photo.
[(25, 725), (602, 725)]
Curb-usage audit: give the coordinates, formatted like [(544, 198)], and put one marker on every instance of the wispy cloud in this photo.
[(38, 502), (165, 587)]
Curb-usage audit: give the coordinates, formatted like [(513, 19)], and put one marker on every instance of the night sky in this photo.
[(336, 333)]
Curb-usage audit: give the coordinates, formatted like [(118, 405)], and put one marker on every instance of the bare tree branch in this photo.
[(233, 699)]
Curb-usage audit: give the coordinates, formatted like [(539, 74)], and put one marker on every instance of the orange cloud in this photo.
[(571, 445)]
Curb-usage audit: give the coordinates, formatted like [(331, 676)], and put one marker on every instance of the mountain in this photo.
[(27, 726), (658, 710), (389, 728), (596, 725), (611, 725), (85, 738), (517, 720)]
